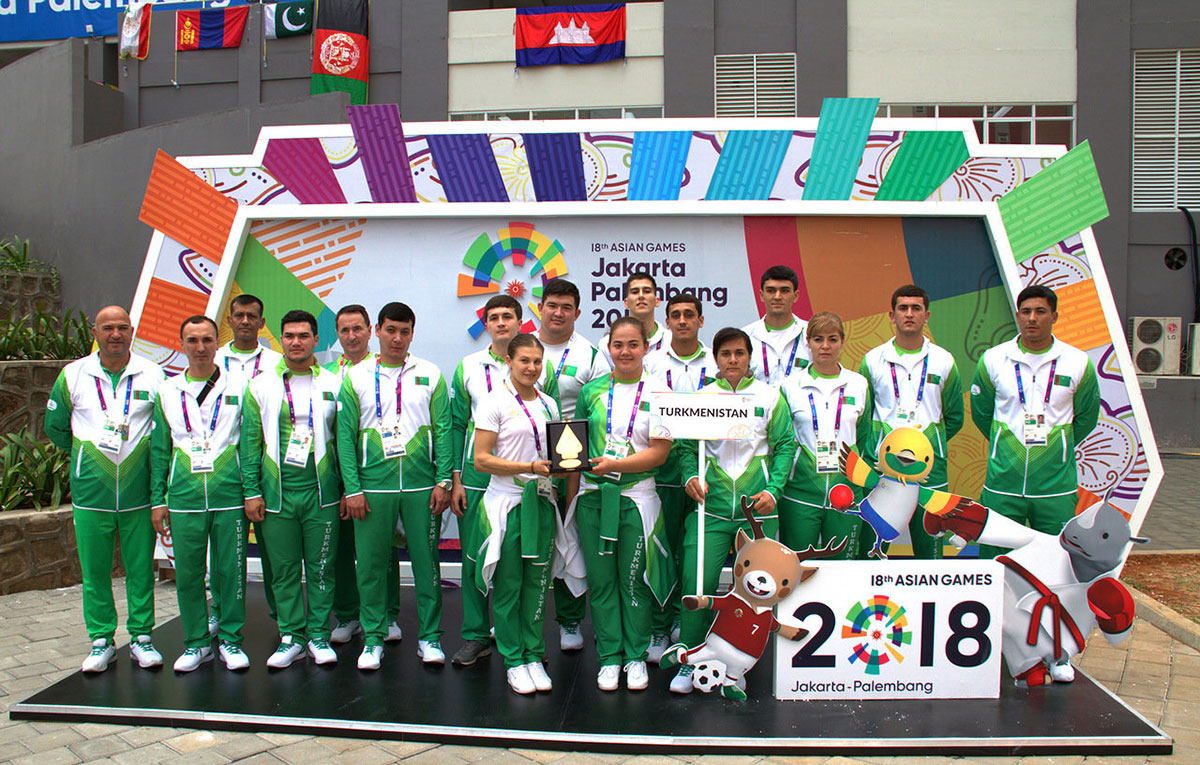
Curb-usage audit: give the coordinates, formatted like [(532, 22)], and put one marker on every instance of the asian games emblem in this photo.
[(339, 53), (523, 247), (879, 631)]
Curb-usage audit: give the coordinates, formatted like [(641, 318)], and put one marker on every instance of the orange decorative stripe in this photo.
[(187, 209), (1080, 316), (167, 305)]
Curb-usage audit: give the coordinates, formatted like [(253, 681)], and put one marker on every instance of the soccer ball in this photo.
[(708, 676)]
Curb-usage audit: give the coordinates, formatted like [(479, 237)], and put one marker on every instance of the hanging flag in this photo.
[(135, 30), (340, 49), (213, 28), (287, 19), (570, 34)]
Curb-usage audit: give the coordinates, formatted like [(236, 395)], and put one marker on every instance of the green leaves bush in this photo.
[(45, 336), (33, 473)]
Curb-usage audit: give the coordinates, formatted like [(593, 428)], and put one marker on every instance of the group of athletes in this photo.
[(329, 463)]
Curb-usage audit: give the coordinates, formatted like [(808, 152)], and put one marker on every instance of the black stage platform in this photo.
[(405, 700)]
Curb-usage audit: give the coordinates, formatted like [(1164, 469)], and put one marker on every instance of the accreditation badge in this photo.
[(200, 453), (112, 435), (299, 446), (1037, 430), (905, 417), (545, 487), (393, 444), (827, 456), (616, 448)]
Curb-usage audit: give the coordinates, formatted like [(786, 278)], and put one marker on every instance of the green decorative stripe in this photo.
[(925, 160), (748, 165), (1058, 202), (842, 132)]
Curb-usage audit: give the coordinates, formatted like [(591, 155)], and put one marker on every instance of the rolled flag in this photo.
[(340, 49), (135, 30), (287, 19)]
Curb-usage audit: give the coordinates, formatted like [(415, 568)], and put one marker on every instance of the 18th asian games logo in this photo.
[(879, 630), (524, 248)]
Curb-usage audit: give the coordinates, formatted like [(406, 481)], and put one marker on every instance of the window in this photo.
[(755, 85), (562, 114), (1001, 123), (1166, 129)]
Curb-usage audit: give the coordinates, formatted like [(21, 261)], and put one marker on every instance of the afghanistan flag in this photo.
[(207, 29), (570, 34), (340, 49), (287, 19)]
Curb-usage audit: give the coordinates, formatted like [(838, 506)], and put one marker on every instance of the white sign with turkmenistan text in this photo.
[(703, 416)]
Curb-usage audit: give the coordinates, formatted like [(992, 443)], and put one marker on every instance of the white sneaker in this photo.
[(569, 638), (233, 656), (431, 652), (214, 624), (636, 678), (321, 653), (658, 644), (682, 682), (675, 632), (1062, 673), (192, 658), (102, 653), (288, 651), (394, 634), (609, 678), (343, 632), (520, 681), (537, 673), (144, 652), (370, 656)]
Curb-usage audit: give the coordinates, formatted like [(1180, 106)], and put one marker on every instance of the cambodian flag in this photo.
[(570, 34)]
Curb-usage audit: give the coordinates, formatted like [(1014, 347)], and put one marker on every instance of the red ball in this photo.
[(841, 496)]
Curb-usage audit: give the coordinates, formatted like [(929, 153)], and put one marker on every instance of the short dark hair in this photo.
[(627, 321), (728, 334), (501, 301), (198, 319), (561, 287), (353, 308), (1038, 291), (910, 290), (396, 311), (296, 316), (779, 274), (523, 340), (640, 276), (248, 299), (684, 297)]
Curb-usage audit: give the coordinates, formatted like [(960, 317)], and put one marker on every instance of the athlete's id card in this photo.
[(393, 445), (616, 448), (1037, 433), (827, 456), (905, 416), (299, 445), (201, 455), (112, 435), (545, 487)]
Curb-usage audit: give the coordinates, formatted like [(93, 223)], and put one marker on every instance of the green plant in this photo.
[(45, 336), (14, 254), (32, 472)]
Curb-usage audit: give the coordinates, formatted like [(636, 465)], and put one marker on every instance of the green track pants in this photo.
[(808, 523), (96, 535), (264, 561), (1045, 514), (303, 536), (519, 589), (345, 580), (476, 622), (676, 505), (224, 533), (378, 572)]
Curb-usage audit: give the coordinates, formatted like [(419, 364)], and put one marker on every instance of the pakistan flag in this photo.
[(288, 19)]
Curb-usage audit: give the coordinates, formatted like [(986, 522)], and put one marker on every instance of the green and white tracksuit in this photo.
[(248, 364), (840, 406), (105, 419), (624, 543), (394, 444), (345, 583), (916, 389), (476, 377), (660, 338), (575, 363), (196, 474), (301, 522), (735, 469), (1033, 483), (516, 525), (777, 354), (681, 375)]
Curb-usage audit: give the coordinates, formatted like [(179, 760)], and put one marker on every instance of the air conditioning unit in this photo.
[(1193, 347), (1154, 342)]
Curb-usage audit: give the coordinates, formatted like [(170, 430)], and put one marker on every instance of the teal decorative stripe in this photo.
[(656, 170), (925, 160), (1058, 202), (749, 163), (841, 138)]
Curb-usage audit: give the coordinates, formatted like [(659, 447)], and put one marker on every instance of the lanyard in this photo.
[(287, 388), (920, 385), (254, 372), (187, 421), (791, 360), (1049, 384), (562, 363), (837, 421), (128, 393), (698, 385), (379, 401), (487, 373), (537, 440), (637, 400)]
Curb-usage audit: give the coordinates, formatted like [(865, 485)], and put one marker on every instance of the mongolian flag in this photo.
[(570, 34), (287, 19), (207, 29), (135, 30), (340, 49)]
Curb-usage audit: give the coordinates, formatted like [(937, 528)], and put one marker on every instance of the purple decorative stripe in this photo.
[(380, 139), (556, 166), (467, 168), (300, 165)]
